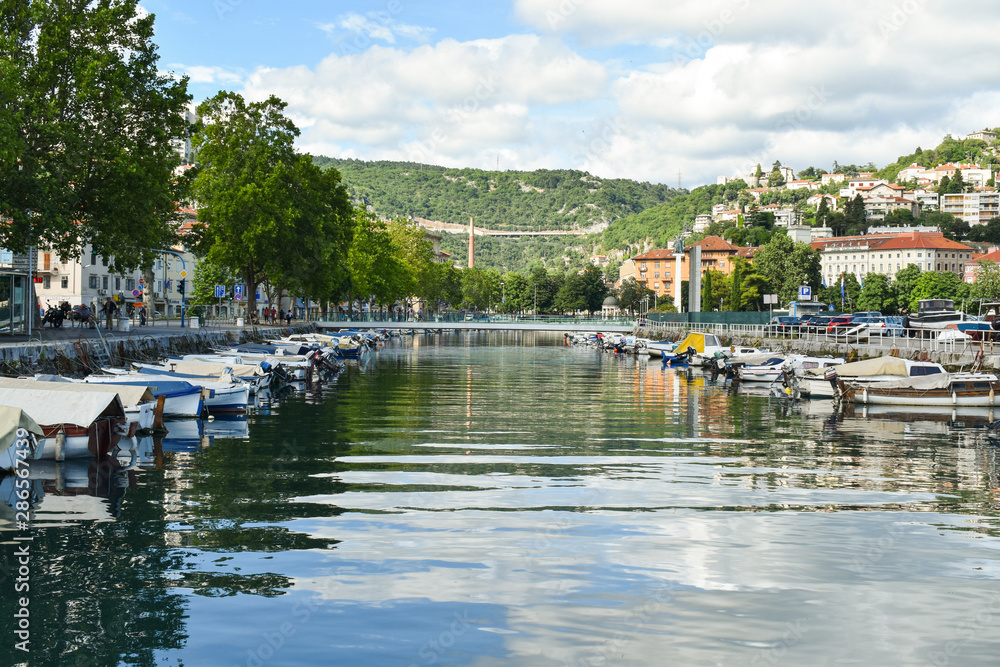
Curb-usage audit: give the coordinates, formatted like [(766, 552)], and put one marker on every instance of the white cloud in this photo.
[(450, 102), (208, 74), (374, 26), (706, 87)]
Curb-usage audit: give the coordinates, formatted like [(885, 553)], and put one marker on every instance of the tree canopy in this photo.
[(86, 121)]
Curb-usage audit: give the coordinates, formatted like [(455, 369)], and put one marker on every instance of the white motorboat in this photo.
[(218, 395), (939, 390), (822, 383), (773, 369), (180, 398)]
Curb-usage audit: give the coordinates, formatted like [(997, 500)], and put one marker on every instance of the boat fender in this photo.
[(991, 394), (864, 396), (954, 397)]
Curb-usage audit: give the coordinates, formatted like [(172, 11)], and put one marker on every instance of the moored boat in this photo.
[(19, 435), (943, 389), (822, 383), (74, 424)]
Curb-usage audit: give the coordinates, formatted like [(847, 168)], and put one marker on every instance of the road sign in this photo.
[(238, 292), (141, 281), (805, 293), (136, 292), (184, 274), (220, 291)]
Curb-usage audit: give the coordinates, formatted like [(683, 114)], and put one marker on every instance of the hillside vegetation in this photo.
[(509, 200)]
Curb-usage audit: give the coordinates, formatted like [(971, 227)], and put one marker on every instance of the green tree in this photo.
[(206, 276), (582, 291), (854, 215), (933, 285), (377, 270), (822, 212), (787, 265), (86, 120), (518, 293), (987, 284), (877, 294), (906, 281), (631, 293), (266, 212)]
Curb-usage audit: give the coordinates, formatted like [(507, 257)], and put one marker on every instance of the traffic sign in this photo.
[(220, 291), (136, 292), (184, 274), (805, 292), (238, 292), (141, 281)]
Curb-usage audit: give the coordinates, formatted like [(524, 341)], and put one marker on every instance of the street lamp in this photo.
[(503, 295)]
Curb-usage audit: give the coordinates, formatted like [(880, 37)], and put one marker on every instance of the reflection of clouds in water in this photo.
[(727, 582)]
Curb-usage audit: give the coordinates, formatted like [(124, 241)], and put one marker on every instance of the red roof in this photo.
[(911, 240), (716, 244)]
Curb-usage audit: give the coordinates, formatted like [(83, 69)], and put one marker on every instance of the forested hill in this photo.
[(661, 224), (509, 200), (951, 150)]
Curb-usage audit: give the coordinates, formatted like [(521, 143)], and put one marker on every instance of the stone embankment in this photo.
[(88, 355)]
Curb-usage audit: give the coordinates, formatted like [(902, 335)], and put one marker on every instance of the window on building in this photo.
[(939, 267), (46, 282), (656, 274), (93, 282), (656, 265), (118, 283), (104, 282), (64, 283), (129, 284), (46, 261), (908, 255), (880, 268), (643, 266), (656, 285), (93, 258), (897, 266)]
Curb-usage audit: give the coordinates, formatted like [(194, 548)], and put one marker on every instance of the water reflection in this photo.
[(486, 499)]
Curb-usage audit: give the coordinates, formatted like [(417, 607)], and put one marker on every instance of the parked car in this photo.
[(876, 325), (815, 324), (782, 326), (838, 324), (867, 313)]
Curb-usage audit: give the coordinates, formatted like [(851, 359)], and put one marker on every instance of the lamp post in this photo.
[(503, 295)]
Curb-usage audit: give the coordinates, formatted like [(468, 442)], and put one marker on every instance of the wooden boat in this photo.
[(74, 424), (945, 389), (822, 383), (19, 435)]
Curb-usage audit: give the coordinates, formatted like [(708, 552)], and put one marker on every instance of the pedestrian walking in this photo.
[(288, 317), (142, 316)]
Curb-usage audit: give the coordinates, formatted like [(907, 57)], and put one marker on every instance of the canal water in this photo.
[(503, 499)]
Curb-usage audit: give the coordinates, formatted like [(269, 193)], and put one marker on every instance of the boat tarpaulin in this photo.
[(867, 368), (695, 340), (11, 419), (919, 383), (129, 394), (48, 407)]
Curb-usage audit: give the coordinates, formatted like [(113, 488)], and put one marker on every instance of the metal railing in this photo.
[(908, 340)]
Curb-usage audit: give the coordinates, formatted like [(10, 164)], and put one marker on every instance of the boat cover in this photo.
[(129, 394), (205, 368), (12, 419), (49, 406), (693, 339), (919, 383), (868, 367)]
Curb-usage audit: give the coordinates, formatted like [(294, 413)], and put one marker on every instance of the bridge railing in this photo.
[(447, 318)]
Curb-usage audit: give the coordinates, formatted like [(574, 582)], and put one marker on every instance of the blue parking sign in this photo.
[(805, 293)]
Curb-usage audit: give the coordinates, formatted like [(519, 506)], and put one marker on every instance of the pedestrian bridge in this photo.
[(497, 323)]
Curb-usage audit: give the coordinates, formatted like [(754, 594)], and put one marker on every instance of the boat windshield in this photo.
[(924, 370)]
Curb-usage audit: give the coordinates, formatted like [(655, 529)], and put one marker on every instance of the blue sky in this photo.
[(633, 89)]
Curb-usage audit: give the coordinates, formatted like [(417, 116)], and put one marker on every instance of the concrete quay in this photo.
[(80, 350)]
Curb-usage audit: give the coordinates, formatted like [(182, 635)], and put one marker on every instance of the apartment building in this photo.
[(975, 208), (889, 253)]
